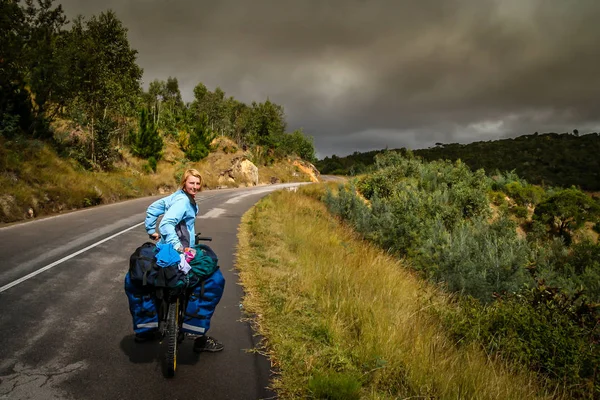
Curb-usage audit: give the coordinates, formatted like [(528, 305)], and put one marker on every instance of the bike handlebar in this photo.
[(197, 237), (204, 238)]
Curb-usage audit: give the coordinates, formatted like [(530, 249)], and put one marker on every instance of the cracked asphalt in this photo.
[(66, 333)]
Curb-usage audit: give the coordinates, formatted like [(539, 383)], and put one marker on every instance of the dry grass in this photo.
[(34, 179), (340, 316)]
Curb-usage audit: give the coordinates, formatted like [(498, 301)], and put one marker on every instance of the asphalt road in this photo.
[(65, 327)]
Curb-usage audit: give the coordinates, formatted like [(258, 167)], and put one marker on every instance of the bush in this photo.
[(437, 216), (150, 166), (519, 211), (566, 211), (542, 328)]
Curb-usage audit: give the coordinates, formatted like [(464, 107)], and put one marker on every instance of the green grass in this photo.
[(341, 319)]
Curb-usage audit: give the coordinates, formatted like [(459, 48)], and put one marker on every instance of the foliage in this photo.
[(299, 144), (342, 319), (168, 111), (47, 72), (543, 328), (147, 142), (436, 213), (104, 153), (436, 216), (28, 65), (150, 166), (574, 269), (544, 159), (566, 211), (199, 140), (104, 77), (260, 155)]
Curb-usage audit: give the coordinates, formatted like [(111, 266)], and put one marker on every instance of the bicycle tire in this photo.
[(172, 332)]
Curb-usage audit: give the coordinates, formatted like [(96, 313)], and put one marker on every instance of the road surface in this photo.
[(65, 327)]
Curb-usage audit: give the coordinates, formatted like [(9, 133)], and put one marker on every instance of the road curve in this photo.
[(65, 327)]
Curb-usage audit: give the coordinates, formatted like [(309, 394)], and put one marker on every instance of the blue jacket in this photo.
[(177, 224)]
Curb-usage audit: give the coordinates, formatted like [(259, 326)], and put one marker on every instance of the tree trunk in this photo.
[(93, 140)]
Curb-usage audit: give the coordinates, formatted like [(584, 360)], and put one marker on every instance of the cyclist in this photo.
[(179, 212)]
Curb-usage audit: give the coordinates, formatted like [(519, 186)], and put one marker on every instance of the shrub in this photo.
[(566, 211), (437, 216), (519, 211), (542, 328)]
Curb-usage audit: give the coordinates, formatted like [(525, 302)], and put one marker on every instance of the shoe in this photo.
[(207, 343), (143, 337), (180, 337)]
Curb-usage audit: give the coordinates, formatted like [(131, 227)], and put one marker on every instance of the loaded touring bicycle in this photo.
[(169, 302)]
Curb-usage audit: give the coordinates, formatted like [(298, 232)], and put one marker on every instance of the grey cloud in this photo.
[(363, 74)]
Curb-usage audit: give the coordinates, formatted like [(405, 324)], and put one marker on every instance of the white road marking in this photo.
[(213, 213), (55, 263), (239, 197)]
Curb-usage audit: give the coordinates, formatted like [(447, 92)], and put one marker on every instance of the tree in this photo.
[(566, 211), (214, 105), (105, 78), (47, 71), (268, 124), (15, 105), (240, 116), (299, 144), (200, 138), (31, 68), (148, 142)]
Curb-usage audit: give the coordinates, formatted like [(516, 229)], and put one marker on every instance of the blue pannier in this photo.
[(142, 306), (202, 303)]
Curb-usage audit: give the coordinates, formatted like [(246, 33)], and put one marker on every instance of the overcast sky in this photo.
[(359, 75)]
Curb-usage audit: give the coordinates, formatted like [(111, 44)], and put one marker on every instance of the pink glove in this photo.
[(189, 254)]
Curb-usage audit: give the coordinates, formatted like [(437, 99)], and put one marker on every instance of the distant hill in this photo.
[(551, 159)]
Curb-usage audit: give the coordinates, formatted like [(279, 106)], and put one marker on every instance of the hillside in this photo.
[(551, 159), (36, 181)]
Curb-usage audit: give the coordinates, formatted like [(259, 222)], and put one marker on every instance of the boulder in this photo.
[(244, 171), (226, 178)]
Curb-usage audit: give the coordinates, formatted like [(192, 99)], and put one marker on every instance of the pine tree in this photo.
[(200, 139), (148, 142)]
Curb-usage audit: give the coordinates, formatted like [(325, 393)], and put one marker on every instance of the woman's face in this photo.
[(192, 185)]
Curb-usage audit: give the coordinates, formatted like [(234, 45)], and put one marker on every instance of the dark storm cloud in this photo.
[(365, 74)]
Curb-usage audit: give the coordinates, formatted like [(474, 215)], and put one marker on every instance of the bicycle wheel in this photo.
[(172, 331)]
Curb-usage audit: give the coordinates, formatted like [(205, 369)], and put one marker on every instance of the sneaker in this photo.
[(207, 343), (143, 337)]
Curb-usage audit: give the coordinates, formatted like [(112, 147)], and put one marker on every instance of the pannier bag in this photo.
[(202, 303), (204, 264), (142, 306), (145, 270), (142, 265)]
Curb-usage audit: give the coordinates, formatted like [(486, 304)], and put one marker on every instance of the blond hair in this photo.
[(187, 174)]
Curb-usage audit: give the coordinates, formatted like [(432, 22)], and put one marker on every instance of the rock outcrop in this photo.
[(242, 172), (308, 169)]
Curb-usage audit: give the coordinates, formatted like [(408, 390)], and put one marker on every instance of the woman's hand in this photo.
[(155, 236)]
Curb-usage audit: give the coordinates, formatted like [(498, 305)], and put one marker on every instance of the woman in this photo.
[(180, 210), (177, 228)]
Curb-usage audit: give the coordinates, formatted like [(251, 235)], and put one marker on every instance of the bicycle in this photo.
[(171, 312)]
